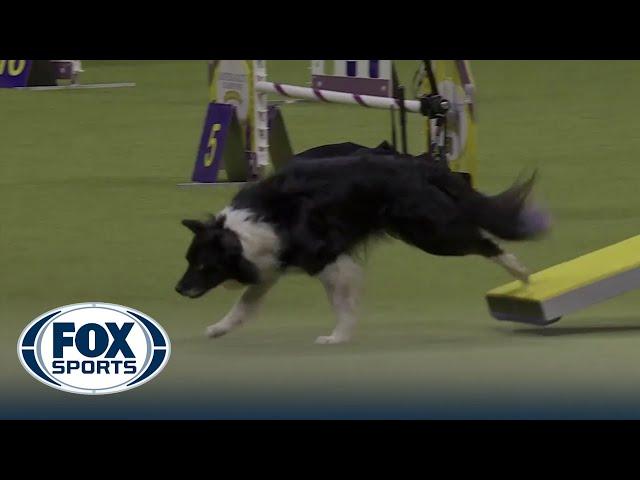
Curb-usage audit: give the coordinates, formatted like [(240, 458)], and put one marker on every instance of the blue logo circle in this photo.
[(94, 348)]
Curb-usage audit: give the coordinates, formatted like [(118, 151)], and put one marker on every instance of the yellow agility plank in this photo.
[(569, 286)]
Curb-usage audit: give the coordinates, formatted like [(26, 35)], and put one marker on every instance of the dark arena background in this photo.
[(91, 209)]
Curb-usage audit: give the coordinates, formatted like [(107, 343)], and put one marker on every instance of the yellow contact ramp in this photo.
[(569, 286)]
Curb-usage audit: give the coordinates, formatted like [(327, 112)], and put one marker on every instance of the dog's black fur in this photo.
[(331, 199)]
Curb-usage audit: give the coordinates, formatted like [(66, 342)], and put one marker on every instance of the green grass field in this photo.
[(90, 211)]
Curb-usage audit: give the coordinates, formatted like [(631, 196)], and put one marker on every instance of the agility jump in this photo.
[(243, 134)]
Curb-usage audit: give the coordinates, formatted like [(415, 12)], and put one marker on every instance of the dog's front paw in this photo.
[(216, 330), (331, 340)]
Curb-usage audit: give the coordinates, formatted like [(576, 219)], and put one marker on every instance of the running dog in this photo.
[(316, 212)]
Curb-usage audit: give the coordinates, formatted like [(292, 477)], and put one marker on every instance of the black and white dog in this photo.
[(314, 214)]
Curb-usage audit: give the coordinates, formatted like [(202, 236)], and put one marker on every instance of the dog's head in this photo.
[(214, 256)]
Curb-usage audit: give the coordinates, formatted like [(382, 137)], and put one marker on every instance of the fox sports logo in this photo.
[(94, 348)]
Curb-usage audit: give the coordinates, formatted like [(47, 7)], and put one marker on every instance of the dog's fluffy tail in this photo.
[(512, 215)]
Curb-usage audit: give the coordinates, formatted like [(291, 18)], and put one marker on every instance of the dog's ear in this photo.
[(196, 226)]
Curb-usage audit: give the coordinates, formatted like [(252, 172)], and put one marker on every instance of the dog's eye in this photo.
[(200, 267)]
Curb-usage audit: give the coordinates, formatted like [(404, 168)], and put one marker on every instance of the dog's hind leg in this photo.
[(491, 250), (243, 310), (511, 264), (342, 281), (465, 240)]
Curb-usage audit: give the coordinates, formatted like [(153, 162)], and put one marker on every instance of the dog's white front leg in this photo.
[(243, 310), (342, 281)]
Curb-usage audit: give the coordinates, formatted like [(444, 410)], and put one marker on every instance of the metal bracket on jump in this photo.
[(435, 107)]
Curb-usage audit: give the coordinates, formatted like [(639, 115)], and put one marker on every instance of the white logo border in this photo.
[(113, 306)]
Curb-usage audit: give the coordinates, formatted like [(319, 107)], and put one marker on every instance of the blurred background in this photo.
[(91, 211)]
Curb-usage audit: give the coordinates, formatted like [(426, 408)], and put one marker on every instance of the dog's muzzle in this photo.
[(189, 292)]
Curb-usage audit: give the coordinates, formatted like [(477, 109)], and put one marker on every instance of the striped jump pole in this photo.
[(330, 96)]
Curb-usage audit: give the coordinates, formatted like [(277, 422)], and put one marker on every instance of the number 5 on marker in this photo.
[(213, 145)]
